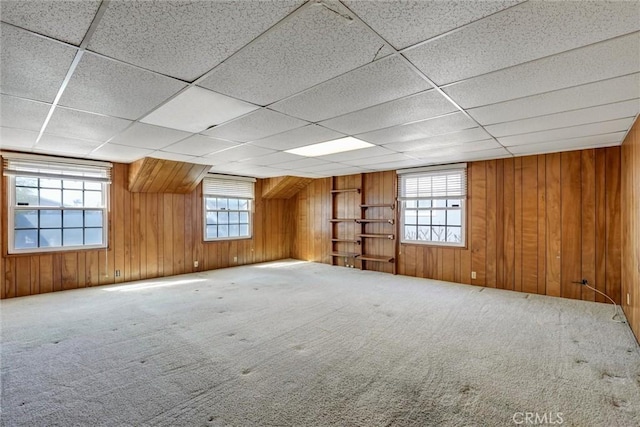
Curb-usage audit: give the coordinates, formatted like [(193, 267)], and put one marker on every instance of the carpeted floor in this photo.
[(302, 344)]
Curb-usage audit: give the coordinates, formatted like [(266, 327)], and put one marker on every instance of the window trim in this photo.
[(463, 205), (225, 193), (12, 171)]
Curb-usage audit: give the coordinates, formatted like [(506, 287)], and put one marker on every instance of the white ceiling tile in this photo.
[(197, 109), (82, 125), (17, 139), (409, 163), (241, 152), (63, 20), (271, 159), (390, 77), (523, 33), (184, 39), (568, 118), (594, 141), (358, 154), (454, 157), (200, 161), (303, 174), (259, 171), (142, 135), (31, 66), (176, 157), (412, 108), (301, 162), (409, 22), (312, 45), (375, 161), (108, 87), (199, 145), (119, 153), (568, 132), (64, 145), (600, 61), (588, 95), (299, 137), (448, 139), (343, 171), (256, 125), (22, 113), (437, 126), (324, 167), (468, 147)]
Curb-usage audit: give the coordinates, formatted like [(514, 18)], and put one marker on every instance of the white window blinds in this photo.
[(433, 183), (17, 164), (228, 186)]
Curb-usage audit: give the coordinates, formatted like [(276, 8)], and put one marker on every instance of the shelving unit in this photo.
[(345, 244), (363, 224)]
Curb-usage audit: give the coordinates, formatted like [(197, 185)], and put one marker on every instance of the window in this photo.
[(56, 204), (432, 204), (228, 204)]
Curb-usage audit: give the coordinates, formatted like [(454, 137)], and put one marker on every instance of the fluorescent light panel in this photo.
[(330, 147)]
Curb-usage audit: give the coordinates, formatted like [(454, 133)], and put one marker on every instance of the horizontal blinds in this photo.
[(15, 164), (434, 184), (228, 186)]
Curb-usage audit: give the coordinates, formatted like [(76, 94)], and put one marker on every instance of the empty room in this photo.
[(319, 213)]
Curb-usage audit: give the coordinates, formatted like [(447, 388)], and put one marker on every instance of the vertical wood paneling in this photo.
[(500, 225), (588, 209), (150, 235), (508, 224), (491, 224), (478, 228), (518, 218), (542, 225), (529, 223), (570, 222), (601, 225), (613, 224), (630, 220), (553, 225)]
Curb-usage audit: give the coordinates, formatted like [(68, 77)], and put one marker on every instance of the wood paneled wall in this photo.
[(150, 235), (631, 227), (534, 224)]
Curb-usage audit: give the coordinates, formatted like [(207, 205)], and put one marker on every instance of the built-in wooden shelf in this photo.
[(379, 205), (343, 219), (365, 220), (377, 258), (345, 254), (346, 190), (378, 236), (357, 242)]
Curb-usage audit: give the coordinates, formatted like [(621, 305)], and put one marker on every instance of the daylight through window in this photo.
[(228, 203), (433, 205), (56, 204)]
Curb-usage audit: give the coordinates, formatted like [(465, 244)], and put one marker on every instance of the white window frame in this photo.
[(457, 192), (34, 166), (227, 187)]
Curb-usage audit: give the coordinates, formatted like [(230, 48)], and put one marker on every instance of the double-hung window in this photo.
[(432, 204), (228, 205), (56, 204)]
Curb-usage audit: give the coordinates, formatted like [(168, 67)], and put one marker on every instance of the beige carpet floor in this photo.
[(302, 344)]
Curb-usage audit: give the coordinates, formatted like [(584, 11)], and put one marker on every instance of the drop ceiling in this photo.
[(234, 85)]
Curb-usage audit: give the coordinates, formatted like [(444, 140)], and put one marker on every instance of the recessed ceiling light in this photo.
[(197, 109), (330, 147)]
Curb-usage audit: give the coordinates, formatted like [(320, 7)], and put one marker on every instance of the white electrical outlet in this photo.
[(195, 264), (235, 259), (473, 274), (628, 298)]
